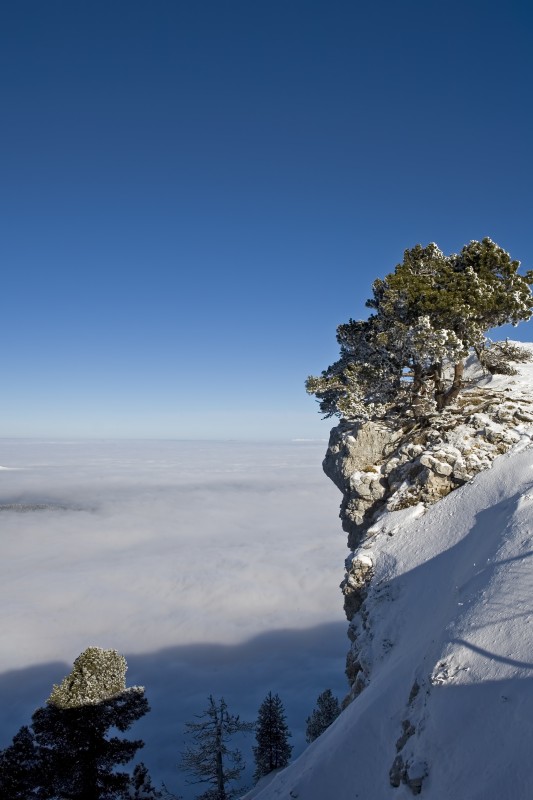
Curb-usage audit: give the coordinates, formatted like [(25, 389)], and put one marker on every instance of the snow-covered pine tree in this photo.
[(409, 355), (273, 750), (327, 710), (209, 758), (75, 755)]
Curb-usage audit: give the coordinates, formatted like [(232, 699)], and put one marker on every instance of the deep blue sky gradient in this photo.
[(194, 194)]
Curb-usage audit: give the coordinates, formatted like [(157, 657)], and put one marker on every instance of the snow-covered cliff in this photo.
[(440, 601)]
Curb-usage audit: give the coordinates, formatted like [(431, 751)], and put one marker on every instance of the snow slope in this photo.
[(448, 637)]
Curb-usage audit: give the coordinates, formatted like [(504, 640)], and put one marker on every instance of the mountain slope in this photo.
[(447, 636)]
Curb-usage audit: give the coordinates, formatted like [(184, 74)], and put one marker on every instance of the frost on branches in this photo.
[(95, 676), (72, 749), (408, 356)]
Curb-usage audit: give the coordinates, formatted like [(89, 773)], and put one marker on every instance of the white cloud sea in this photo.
[(213, 566)]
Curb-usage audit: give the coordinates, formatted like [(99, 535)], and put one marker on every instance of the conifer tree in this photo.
[(327, 710), (70, 753), (78, 756), (209, 758), (409, 355), (273, 750), (142, 786), (19, 768)]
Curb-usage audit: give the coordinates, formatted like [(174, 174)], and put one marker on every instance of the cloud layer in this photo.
[(194, 550)]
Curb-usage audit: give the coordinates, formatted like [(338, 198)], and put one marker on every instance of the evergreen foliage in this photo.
[(19, 768), (408, 356), (69, 753), (273, 750), (78, 756), (209, 758), (327, 710), (142, 787)]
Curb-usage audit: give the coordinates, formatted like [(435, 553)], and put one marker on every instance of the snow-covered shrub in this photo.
[(498, 357)]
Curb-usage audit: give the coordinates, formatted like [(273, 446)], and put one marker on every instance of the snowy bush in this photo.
[(498, 357)]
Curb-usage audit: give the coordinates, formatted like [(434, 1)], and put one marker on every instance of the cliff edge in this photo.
[(438, 592)]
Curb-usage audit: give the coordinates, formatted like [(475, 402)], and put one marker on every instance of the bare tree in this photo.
[(209, 758)]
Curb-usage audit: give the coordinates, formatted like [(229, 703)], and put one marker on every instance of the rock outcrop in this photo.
[(387, 465), (380, 466)]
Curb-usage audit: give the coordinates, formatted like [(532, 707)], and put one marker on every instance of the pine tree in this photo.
[(209, 759), (69, 752), (327, 710), (19, 768), (141, 785), (273, 750), (78, 757), (428, 314)]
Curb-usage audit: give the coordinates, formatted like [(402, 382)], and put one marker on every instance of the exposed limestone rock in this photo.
[(357, 578), (408, 730), (415, 688), (356, 447), (415, 773), (393, 464), (411, 774), (384, 465), (389, 465), (396, 772)]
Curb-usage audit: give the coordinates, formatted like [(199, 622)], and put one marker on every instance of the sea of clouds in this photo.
[(212, 566)]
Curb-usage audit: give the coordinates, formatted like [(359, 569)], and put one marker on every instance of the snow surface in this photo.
[(449, 643), (213, 567)]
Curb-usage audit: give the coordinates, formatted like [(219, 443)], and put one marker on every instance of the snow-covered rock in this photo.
[(391, 464)]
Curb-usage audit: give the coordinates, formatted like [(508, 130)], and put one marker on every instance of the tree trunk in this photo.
[(457, 384), (220, 767), (440, 389), (418, 388)]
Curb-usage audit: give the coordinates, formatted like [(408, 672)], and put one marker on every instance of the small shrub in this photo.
[(498, 358)]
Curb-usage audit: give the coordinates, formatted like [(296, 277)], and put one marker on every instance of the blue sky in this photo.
[(194, 194)]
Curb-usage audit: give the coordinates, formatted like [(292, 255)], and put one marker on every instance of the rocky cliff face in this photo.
[(439, 598), (382, 466)]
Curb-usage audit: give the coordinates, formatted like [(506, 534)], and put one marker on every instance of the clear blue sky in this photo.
[(195, 193)]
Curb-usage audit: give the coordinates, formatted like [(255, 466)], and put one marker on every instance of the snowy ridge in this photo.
[(450, 641), (445, 643)]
